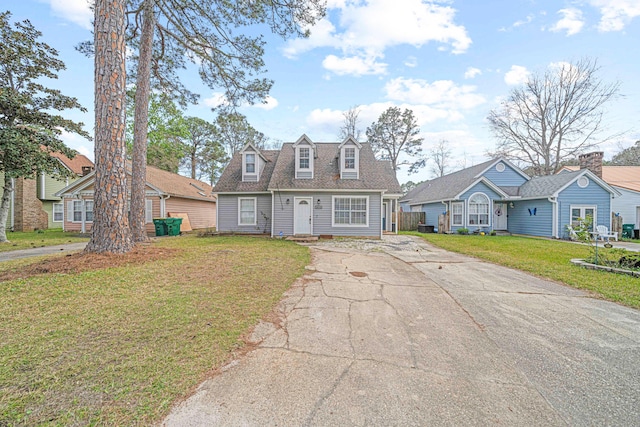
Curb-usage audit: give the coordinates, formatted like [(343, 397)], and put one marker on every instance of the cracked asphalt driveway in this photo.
[(398, 332)]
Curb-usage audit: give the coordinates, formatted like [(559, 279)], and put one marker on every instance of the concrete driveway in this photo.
[(399, 333)]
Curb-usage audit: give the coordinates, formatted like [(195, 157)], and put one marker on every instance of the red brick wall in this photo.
[(28, 212)]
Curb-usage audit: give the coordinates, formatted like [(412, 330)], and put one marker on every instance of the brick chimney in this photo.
[(592, 161)]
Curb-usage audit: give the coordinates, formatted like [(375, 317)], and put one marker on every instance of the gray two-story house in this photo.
[(308, 189)]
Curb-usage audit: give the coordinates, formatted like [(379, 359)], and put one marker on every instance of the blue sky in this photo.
[(450, 61)]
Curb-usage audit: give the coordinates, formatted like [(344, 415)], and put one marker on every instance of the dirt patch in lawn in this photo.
[(80, 262)]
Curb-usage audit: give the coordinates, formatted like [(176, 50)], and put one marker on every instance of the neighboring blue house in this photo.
[(497, 195), (308, 189)]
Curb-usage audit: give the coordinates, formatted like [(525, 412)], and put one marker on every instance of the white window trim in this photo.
[(468, 213), (83, 211), (255, 211), (333, 212), (582, 208), (454, 224), (244, 164), (356, 162), (53, 212)]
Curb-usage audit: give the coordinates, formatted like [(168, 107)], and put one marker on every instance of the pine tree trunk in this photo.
[(140, 126), (4, 207), (110, 231), (194, 160)]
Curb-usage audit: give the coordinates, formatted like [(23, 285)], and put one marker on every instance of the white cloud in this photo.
[(517, 75), (411, 62), (215, 100), (76, 11), (571, 22), (525, 21), (269, 103), (365, 29), (355, 65), (442, 94), (472, 72), (616, 14)]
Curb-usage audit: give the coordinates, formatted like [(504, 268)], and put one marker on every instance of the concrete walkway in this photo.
[(399, 333), (46, 250)]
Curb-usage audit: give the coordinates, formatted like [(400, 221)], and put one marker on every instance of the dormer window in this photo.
[(304, 155), (304, 158), (250, 163), (350, 158)]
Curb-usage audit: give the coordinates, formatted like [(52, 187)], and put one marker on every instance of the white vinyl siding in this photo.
[(457, 214), (479, 209), (58, 212), (350, 211), (247, 211)]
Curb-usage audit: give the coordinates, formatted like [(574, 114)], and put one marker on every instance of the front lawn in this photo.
[(35, 239), (119, 345), (544, 258)]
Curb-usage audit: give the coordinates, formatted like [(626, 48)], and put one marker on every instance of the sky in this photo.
[(449, 61)]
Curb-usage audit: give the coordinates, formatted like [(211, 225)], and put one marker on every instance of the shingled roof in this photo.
[(374, 174), (279, 172), (76, 164), (446, 187), (178, 185), (231, 179)]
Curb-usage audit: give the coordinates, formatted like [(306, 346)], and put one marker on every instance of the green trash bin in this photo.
[(173, 226), (161, 226), (627, 231)]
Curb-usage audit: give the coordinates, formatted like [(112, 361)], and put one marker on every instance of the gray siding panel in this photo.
[(323, 213), (506, 178), (228, 214)]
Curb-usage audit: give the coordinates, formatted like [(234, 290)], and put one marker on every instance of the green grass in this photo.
[(118, 346), (35, 239), (544, 258)]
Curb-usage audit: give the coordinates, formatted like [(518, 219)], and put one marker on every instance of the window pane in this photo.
[(250, 163), (350, 210), (88, 207), (349, 158), (247, 211), (58, 214)]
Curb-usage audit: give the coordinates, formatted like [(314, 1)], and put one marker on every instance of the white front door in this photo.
[(499, 216), (302, 217)]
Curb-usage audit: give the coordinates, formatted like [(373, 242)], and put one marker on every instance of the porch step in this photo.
[(302, 238)]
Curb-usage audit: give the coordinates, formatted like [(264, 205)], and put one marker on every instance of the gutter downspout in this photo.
[(163, 206), (273, 210), (554, 217)]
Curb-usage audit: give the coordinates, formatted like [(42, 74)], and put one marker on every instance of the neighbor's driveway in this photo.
[(397, 332)]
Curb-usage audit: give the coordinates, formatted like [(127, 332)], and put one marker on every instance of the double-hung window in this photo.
[(247, 211), (479, 209), (350, 211), (304, 158), (350, 158), (78, 206), (456, 213), (58, 212), (250, 163)]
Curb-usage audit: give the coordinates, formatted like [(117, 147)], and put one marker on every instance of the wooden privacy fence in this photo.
[(408, 221)]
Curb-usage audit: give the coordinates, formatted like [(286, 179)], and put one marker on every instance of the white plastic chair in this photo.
[(603, 233)]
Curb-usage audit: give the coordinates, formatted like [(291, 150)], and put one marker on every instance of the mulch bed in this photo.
[(80, 262)]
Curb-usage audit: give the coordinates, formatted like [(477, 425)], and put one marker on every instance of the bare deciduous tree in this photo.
[(350, 124), (554, 116), (441, 155)]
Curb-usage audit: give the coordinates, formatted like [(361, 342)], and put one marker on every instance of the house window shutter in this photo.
[(148, 212), (69, 214)]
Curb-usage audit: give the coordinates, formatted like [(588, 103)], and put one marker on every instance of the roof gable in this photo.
[(627, 177)]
